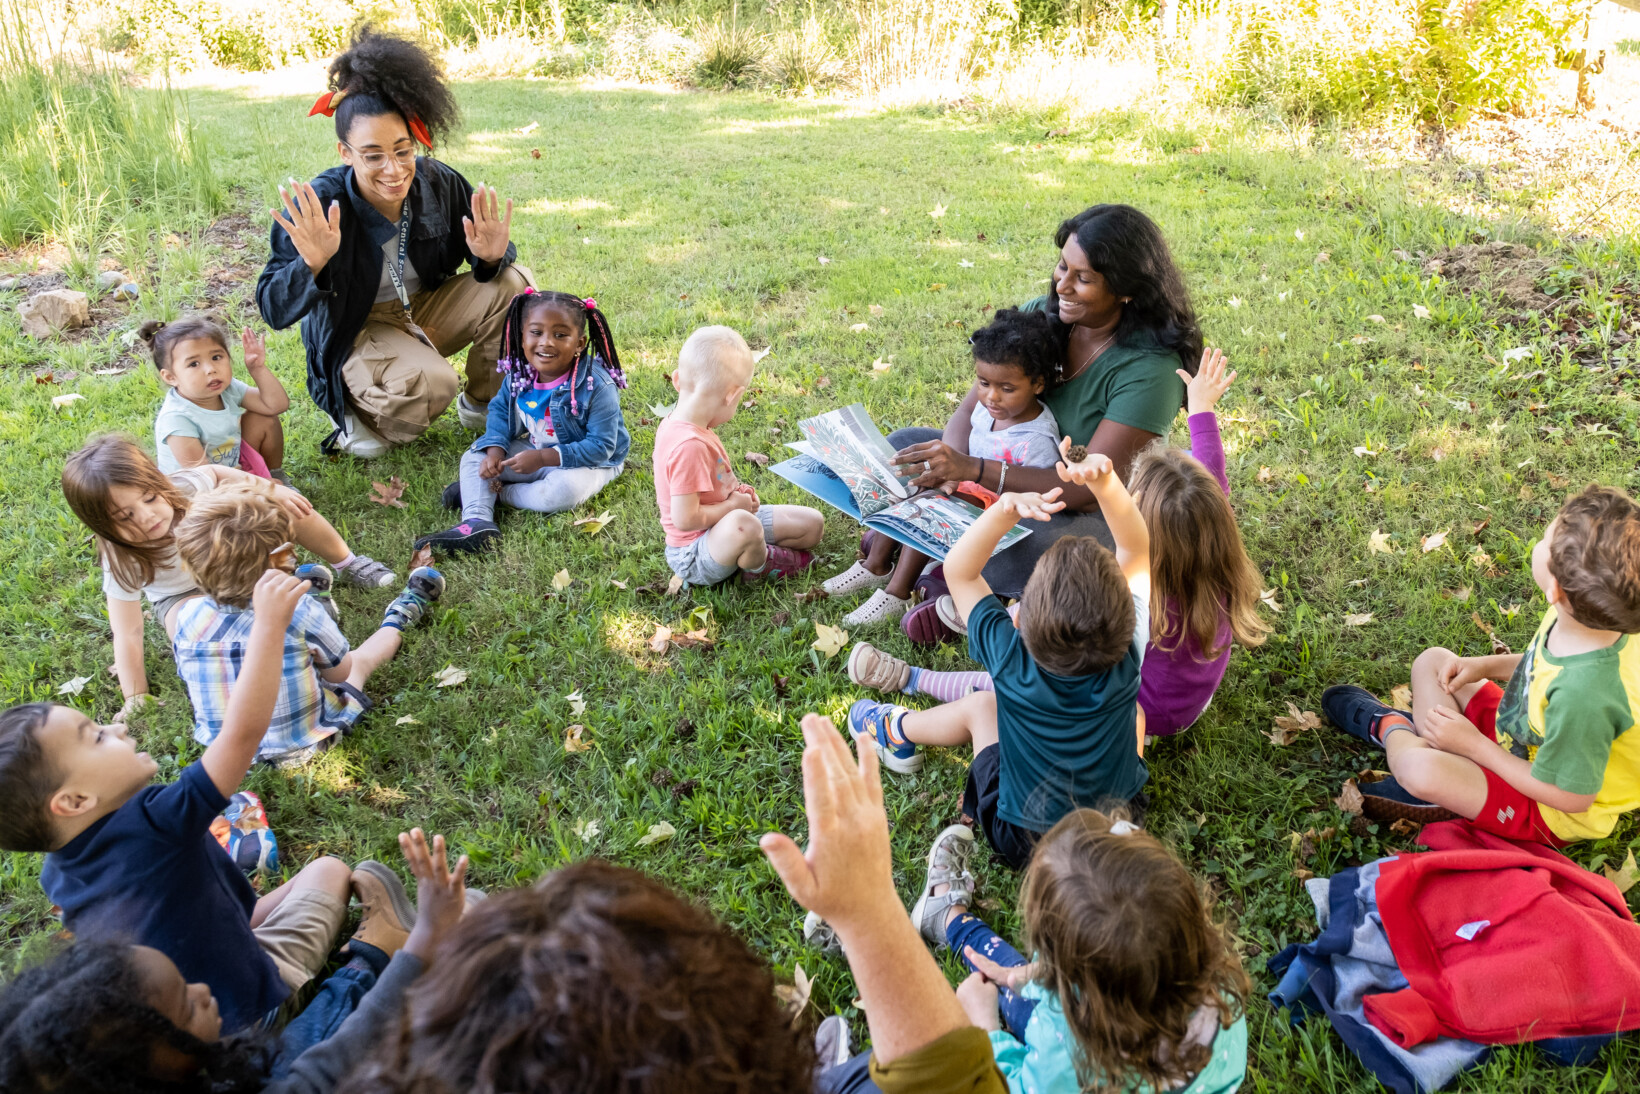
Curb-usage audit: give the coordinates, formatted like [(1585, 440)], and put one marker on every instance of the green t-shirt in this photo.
[(1133, 385), (1578, 719)]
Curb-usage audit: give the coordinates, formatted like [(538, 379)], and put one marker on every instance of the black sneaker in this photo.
[(1356, 711), (452, 497), (1388, 800), (468, 537)]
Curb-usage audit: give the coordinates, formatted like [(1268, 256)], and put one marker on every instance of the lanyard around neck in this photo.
[(396, 271)]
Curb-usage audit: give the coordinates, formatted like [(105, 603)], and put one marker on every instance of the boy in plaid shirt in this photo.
[(229, 537)]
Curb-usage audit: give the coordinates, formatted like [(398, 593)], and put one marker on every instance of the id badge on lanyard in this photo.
[(396, 271)]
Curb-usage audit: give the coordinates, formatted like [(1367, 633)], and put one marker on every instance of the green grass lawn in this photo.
[(682, 210)]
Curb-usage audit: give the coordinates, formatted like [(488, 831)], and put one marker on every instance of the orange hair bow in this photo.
[(326, 104)]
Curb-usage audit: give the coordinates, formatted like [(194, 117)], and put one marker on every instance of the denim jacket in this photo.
[(333, 306), (586, 415)]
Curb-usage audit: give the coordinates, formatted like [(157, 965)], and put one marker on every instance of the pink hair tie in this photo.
[(590, 303)]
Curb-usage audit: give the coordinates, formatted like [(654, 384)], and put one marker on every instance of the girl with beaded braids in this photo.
[(555, 435), (368, 257)]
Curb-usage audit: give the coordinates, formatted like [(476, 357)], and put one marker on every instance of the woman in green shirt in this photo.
[(1125, 325)]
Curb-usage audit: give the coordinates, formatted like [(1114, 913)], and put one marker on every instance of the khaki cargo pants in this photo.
[(398, 384)]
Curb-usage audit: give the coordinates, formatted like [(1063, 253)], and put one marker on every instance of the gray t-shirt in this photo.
[(412, 280), (1028, 444)]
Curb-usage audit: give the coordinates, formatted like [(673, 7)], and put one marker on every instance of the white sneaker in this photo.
[(880, 607), (946, 609), (855, 579), (473, 415), (357, 439)]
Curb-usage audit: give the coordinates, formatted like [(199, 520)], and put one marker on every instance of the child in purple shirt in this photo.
[(1204, 588)]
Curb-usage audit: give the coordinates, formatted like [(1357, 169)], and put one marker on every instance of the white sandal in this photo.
[(881, 607), (855, 579)]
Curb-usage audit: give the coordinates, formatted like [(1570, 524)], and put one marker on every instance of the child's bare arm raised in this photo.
[(963, 566), (1127, 527), (267, 395), (250, 705)]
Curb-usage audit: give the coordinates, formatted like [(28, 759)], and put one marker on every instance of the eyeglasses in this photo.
[(375, 161), (283, 557)]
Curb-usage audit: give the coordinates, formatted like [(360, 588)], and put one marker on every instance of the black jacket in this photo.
[(333, 306)]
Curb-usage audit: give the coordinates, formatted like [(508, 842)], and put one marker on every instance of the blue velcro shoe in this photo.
[(1356, 711), (872, 718)]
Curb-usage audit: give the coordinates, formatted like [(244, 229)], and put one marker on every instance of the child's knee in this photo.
[(328, 873), (1431, 660), (743, 527), (1418, 771)]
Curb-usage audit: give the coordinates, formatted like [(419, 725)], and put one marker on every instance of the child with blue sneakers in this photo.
[(229, 537), (1061, 729), (555, 436)]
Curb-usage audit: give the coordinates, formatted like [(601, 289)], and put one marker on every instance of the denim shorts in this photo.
[(694, 562)]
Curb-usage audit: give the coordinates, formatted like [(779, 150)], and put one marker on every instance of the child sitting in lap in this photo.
[(1016, 361), (208, 416), (229, 537), (1204, 588), (132, 509), (715, 524), (1061, 729), (555, 434), (1131, 985), (1568, 722)]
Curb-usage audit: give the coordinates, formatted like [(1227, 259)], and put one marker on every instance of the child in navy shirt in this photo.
[(1061, 730), (137, 861)]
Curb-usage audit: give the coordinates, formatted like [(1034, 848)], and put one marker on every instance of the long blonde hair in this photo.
[(90, 475), (1198, 565)]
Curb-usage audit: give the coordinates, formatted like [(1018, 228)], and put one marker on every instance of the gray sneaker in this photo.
[(366, 572), (818, 933), (947, 865), (323, 581), (424, 586), (831, 1047)]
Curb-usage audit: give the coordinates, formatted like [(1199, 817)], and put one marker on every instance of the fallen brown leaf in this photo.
[(422, 556), (1349, 799), (1404, 827), (575, 740), (1625, 876), (1400, 696), (660, 639), (1265, 474), (1287, 728), (388, 493)]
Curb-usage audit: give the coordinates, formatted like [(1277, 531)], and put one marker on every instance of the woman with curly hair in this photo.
[(368, 257), (1124, 327)]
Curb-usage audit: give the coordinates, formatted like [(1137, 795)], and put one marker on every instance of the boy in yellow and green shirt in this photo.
[(1568, 720)]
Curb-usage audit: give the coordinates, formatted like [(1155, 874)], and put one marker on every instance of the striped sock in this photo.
[(1390, 722), (948, 687)]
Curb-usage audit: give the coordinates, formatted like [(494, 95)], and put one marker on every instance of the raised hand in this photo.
[(1203, 391), (254, 347), (315, 232), (293, 502), (1012, 977), (1031, 505), (441, 893), (846, 874), (1087, 471), (487, 229), (276, 596)]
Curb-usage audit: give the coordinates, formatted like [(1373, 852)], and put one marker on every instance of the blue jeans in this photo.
[(337, 998), (854, 1076)]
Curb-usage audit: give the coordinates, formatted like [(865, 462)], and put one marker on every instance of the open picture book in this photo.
[(845, 461)]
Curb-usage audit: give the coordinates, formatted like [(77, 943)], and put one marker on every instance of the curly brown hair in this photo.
[(226, 538), (1124, 937), (594, 978), (1595, 556)]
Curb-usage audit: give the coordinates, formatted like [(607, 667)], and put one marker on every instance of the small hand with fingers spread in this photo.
[(441, 893), (1086, 471), (1203, 391), (531, 460), (315, 231), (1012, 977), (1029, 505), (488, 229), (254, 347)]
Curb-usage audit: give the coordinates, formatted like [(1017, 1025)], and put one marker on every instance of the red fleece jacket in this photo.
[(1503, 942)]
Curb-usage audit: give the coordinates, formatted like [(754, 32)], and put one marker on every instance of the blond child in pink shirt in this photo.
[(714, 523)]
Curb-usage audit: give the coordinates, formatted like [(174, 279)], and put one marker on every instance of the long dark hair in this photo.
[(383, 74), (77, 1022), (1128, 250), (600, 347), (594, 978)]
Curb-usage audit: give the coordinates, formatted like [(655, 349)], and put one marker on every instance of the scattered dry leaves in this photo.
[(1400, 696), (74, 686), (577, 704), (449, 677), (1287, 728), (61, 401), (1434, 542), (1357, 619), (561, 580), (759, 458), (1349, 799), (388, 493), (1378, 543), (1267, 597), (1404, 827), (1265, 474), (593, 525), (660, 639), (658, 833), (828, 639), (795, 996), (1624, 876)]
